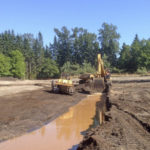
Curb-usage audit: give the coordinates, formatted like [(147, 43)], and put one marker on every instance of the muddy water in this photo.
[(61, 134)]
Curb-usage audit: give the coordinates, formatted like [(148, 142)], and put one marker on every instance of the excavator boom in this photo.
[(100, 68), (95, 83)]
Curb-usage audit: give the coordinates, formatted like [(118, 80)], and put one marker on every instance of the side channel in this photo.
[(63, 133)]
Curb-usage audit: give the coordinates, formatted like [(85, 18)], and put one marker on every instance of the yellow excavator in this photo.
[(96, 82), (88, 83)]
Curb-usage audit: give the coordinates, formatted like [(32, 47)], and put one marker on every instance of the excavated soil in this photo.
[(29, 105), (127, 125), (24, 111)]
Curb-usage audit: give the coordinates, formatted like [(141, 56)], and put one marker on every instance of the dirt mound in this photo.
[(128, 121)]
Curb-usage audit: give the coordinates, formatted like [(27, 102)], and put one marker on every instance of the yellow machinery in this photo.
[(63, 86), (85, 77), (100, 68), (88, 82), (95, 82)]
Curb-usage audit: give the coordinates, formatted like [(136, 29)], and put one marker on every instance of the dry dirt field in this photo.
[(128, 121)]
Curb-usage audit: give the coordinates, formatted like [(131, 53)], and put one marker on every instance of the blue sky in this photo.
[(31, 16)]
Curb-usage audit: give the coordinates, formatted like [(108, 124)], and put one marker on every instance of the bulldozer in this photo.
[(63, 85), (95, 82)]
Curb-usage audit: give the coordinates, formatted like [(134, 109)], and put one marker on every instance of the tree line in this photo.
[(72, 51)]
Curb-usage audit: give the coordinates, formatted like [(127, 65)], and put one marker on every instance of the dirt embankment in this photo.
[(27, 106), (128, 121)]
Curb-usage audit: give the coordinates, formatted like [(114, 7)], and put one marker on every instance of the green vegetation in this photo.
[(72, 51), (17, 64), (76, 69), (4, 66), (49, 69), (136, 57), (13, 65), (108, 38)]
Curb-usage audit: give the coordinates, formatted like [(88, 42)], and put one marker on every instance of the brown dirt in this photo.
[(25, 106), (28, 110), (128, 121)]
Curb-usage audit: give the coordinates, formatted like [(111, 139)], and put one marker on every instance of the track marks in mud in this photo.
[(133, 135), (132, 104), (144, 125), (128, 121)]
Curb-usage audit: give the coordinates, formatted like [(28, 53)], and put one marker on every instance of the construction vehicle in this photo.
[(96, 82), (63, 85), (88, 83)]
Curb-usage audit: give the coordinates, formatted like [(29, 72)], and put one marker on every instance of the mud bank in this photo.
[(127, 125), (26, 111), (62, 133)]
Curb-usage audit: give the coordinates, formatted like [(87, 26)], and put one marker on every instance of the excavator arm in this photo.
[(100, 68)]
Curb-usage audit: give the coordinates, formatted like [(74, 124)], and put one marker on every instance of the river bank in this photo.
[(127, 124)]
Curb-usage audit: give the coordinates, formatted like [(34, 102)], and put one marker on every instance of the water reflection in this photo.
[(43, 131), (77, 119), (62, 133)]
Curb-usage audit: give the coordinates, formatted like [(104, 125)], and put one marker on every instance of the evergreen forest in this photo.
[(73, 51)]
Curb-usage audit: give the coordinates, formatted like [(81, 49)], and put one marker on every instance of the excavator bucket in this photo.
[(93, 86), (99, 84)]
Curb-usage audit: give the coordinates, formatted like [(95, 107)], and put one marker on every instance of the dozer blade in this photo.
[(93, 86)]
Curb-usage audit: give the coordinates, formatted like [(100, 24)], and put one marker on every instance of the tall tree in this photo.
[(125, 58), (47, 52), (144, 60), (5, 66), (49, 69), (62, 46), (29, 58), (135, 53), (109, 41), (85, 46), (7, 42), (18, 64), (38, 52)]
